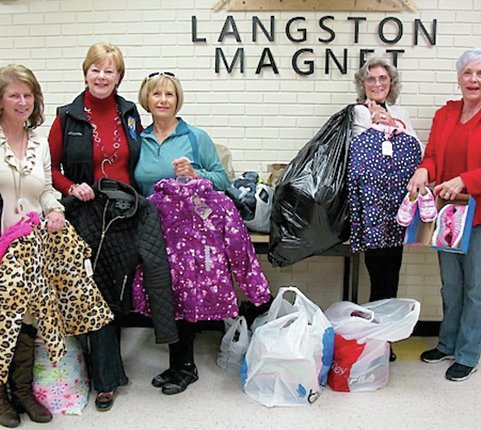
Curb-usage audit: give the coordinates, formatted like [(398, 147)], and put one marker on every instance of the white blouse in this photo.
[(29, 179), (362, 120)]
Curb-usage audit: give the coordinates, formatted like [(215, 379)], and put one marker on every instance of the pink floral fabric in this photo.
[(63, 388), (207, 242)]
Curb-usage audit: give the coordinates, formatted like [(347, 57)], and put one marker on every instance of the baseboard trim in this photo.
[(427, 328), (422, 328)]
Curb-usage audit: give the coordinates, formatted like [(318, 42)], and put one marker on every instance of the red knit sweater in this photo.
[(444, 122), (103, 112)]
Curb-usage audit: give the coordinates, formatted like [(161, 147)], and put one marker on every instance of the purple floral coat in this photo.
[(207, 241)]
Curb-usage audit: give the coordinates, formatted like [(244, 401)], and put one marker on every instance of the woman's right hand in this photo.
[(379, 115), (418, 182), (82, 192)]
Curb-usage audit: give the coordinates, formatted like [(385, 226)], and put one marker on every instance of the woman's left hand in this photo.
[(448, 190), (55, 221), (182, 167)]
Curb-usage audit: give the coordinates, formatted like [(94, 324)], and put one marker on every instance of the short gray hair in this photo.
[(467, 57), (361, 76)]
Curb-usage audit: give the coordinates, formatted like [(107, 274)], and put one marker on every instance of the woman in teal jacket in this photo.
[(170, 147)]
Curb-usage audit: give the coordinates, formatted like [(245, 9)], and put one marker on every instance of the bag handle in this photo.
[(347, 309), (300, 302)]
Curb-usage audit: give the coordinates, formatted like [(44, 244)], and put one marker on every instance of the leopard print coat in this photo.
[(46, 274)]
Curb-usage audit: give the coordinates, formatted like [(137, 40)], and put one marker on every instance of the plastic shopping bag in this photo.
[(358, 366), (234, 346), (281, 307), (259, 321), (253, 200), (62, 388), (262, 218), (250, 311), (290, 355), (387, 320)]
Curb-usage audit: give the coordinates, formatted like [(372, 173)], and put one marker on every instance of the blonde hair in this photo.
[(19, 73), (361, 75), (159, 80), (99, 52)]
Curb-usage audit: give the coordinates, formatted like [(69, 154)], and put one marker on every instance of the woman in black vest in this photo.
[(93, 137)]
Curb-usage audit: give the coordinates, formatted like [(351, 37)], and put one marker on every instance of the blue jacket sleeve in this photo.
[(210, 165)]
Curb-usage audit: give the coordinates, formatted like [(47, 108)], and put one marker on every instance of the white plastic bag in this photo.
[(262, 219), (259, 322), (277, 309), (388, 320), (359, 367), (234, 346), (290, 355), (62, 388), (371, 371)]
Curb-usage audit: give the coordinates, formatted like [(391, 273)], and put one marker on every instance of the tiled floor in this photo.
[(417, 397)]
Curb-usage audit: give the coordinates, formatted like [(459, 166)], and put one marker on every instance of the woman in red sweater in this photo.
[(96, 136), (453, 162)]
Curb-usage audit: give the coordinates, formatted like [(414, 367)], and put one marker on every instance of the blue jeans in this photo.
[(460, 332), (106, 367)]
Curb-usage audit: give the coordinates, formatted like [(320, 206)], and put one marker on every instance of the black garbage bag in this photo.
[(310, 213)]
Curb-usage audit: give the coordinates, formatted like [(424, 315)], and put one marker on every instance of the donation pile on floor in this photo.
[(295, 349)]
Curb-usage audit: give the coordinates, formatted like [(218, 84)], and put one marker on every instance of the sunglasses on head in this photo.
[(165, 73)]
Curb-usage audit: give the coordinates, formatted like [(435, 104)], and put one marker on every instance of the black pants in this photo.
[(106, 368), (383, 266), (182, 351)]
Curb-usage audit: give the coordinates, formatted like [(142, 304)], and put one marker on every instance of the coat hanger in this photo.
[(183, 180)]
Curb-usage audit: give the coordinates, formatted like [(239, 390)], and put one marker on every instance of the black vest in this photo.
[(77, 159)]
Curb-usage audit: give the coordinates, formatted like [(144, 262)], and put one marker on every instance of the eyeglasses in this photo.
[(164, 73), (383, 79)]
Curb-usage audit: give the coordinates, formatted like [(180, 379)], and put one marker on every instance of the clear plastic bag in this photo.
[(233, 346), (290, 355), (387, 320), (359, 367), (253, 200)]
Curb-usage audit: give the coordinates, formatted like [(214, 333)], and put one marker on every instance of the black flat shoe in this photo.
[(163, 378), (104, 401), (182, 380)]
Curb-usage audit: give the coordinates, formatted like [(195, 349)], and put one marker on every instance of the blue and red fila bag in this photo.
[(358, 367)]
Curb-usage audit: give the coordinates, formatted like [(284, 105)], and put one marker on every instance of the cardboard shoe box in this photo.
[(420, 233)]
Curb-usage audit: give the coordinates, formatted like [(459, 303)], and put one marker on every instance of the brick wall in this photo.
[(262, 118)]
